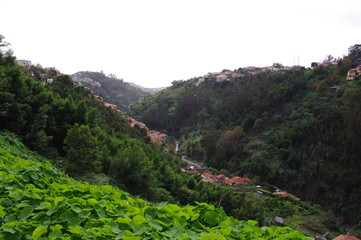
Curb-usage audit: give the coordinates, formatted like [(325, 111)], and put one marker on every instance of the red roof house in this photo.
[(236, 181), (157, 135), (346, 237), (208, 178), (239, 180), (353, 74), (207, 175), (220, 176), (227, 181)]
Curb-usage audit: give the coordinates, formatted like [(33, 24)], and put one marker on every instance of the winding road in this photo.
[(197, 165)]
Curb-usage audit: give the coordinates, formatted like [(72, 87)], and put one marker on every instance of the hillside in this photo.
[(149, 90), (94, 143), (110, 88), (40, 202), (296, 128)]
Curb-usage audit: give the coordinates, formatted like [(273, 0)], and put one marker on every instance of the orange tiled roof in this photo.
[(227, 181), (156, 133), (286, 194), (346, 237), (239, 180), (207, 175), (354, 70), (220, 176)]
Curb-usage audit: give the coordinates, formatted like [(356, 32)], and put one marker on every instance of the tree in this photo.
[(329, 58), (314, 64), (132, 168), (2, 42), (82, 151), (354, 52), (62, 85), (277, 65)]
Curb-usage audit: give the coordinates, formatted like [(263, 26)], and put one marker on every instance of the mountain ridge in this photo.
[(110, 88)]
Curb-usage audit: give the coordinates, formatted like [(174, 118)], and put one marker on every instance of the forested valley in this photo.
[(298, 128), (259, 138)]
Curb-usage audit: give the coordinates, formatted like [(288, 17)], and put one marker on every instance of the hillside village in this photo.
[(228, 75), (80, 80)]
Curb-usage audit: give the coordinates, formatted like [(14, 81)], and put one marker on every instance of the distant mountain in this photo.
[(149, 90), (112, 89)]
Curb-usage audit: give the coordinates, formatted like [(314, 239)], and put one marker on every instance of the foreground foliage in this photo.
[(40, 202)]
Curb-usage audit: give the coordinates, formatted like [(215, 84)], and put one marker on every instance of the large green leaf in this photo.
[(211, 217), (25, 213), (212, 236), (39, 231), (56, 230), (2, 212)]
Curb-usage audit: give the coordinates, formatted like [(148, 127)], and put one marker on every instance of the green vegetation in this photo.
[(37, 201), (94, 143), (112, 89), (297, 129)]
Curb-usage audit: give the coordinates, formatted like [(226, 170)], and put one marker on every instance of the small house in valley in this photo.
[(353, 73), (346, 237), (208, 178)]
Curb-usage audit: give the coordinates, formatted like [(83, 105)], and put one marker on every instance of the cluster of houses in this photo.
[(225, 75), (45, 76), (228, 75), (219, 179), (235, 181), (80, 80), (155, 136), (354, 73), (327, 63)]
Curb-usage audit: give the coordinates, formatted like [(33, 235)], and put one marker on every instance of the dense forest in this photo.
[(297, 128)]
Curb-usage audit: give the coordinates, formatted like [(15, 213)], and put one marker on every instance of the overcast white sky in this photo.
[(154, 42)]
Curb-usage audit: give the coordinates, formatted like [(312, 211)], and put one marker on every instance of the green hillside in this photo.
[(296, 128), (93, 143), (38, 201), (112, 89)]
